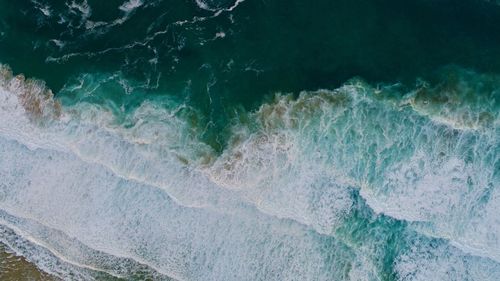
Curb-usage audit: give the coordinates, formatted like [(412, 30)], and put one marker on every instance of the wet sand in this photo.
[(17, 268)]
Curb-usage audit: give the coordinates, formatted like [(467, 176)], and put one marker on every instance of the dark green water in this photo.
[(251, 140), (269, 46)]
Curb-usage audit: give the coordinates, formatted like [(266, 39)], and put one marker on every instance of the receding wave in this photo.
[(317, 187)]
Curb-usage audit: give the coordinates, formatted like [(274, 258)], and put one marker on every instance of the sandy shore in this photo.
[(17, 268)]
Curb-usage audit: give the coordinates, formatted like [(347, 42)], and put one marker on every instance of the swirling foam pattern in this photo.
[(358, 183)]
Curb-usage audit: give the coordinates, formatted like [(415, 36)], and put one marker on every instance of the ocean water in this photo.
[(250, 140)]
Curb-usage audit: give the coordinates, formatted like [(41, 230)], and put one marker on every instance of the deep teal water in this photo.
[(269, 46), (252, 140)]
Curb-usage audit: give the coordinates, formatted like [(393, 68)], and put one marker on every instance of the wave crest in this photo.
[(287, 186)]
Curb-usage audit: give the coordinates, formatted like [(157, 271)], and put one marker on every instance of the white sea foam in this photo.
[(134, 221), (43, 258), (441, 262), (127, 7), (218, 6), (130, 5), (207, 5), (43, 8), (83, 166), (408, 165), (465, 100), (141, 187), (81, 9), (60, 44)]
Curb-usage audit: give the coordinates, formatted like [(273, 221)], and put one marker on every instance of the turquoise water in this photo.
[(251, 140)]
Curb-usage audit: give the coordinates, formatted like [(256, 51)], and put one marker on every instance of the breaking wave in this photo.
[(317, 187)]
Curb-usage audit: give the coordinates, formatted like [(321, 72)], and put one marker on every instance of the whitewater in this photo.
[(355, 183)]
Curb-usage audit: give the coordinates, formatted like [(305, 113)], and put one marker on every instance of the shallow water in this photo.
[(250, 140), (14, 267)]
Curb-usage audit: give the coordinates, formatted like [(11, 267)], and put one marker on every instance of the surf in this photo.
[(298, 174)]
